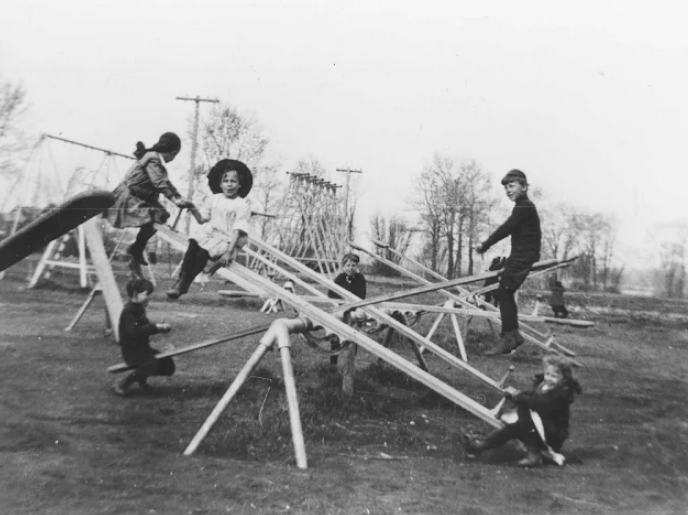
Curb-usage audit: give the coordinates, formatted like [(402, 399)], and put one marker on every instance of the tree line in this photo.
[(457, 206)]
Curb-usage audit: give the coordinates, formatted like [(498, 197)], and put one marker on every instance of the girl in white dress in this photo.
[(225, 226)]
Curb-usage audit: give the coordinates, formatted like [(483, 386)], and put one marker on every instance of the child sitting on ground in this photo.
[(524, 228), (354, 282), (557, 300), (134, 333), (552, 393), (226, 226)]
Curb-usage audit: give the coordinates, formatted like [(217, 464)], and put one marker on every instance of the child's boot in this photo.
[(505, 346), (182, 285), (143, 384), (122, 385), (517, 339)]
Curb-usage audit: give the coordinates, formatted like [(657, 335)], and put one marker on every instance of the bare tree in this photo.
[(672, 259), (453, 201), (13, 109), (394, 231), (228, 134)]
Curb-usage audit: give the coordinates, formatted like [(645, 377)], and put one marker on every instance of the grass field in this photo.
[(69, 446)]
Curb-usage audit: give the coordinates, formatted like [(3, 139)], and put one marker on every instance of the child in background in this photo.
[(496, 264), (524, 228), (136, 198), (226, 224), (552, 394), (135, 331), (352, 281), (350, 278), (557, 300)]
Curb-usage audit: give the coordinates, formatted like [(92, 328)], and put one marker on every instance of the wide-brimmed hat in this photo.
[(228, 165)]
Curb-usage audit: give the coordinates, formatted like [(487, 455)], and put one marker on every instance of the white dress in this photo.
[(225, 215)]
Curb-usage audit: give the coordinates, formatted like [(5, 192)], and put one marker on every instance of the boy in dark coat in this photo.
[(524, 228), (352, 281), (552, 394), (135, 331)]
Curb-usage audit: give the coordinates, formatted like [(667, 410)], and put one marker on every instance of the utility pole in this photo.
[(194, 145), (348, 173)]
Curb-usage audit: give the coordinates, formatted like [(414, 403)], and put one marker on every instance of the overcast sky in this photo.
[(590, 99)]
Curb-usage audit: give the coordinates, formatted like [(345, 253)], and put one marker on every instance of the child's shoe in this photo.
[(136, 254), (505, 346), (532, 459), (143, 384), (518, 339), (120, 387)]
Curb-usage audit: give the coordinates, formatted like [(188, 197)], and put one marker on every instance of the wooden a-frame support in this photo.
[(312, 317), (106, 279)]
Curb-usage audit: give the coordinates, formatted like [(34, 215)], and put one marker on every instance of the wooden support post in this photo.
[(348, 369), (459, 338), (292, 399), (238, 382), (113, 300), (83, 265)]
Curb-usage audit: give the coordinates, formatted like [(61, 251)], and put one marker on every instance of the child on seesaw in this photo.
[(136, 198), (135, 331), (552, 394), (354, 282), (524, 228), (226, 223)]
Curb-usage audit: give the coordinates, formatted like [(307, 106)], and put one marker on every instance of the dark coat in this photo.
[(136, 198), (524, 228), (552, 406), (355, 284), (134, 334)]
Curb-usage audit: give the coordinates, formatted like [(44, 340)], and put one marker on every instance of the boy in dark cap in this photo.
[(524, 228), (226, 223), (136, 198)]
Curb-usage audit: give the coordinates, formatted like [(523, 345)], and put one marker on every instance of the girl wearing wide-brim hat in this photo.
[(226, 223), (136, 198)]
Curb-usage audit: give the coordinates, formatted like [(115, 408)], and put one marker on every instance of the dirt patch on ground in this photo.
[(69, 446)]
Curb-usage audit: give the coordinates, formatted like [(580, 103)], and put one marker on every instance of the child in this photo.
[(524, 227), (557, 300), (552, 393), (226, 223), (136, 198), (134, 333), (352, 281)]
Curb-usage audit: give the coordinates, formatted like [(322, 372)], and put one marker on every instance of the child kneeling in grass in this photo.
[(549, 399), (135, 331)]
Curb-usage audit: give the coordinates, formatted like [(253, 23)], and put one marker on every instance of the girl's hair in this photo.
[(230, 165), (350, 256), (168, 142), (135, 286), (564, 366)]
